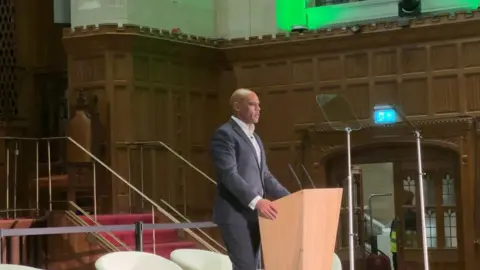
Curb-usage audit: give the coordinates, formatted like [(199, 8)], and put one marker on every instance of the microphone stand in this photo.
[(351, 235), (418, 138), (422, 200)]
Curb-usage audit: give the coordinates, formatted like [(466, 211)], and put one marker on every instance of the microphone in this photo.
[(308, 176), (295, 176)]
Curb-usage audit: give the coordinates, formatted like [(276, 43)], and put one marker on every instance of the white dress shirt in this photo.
[(249, 129)]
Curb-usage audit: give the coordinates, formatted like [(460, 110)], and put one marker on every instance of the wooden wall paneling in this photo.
[(476, 240), (435, 79), (468, 171)]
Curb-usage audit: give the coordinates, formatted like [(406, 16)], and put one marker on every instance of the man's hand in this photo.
[(266, 209)]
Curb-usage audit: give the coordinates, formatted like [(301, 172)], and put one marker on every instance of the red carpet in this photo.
[(166, 241)]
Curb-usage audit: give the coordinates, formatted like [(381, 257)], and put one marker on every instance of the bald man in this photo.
[(244, 181)]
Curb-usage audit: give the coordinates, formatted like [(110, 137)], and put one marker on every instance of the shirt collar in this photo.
[(248, 129)]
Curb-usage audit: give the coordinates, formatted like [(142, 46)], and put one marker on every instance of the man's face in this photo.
[(249, 109)]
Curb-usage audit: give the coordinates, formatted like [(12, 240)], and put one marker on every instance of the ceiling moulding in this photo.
[(448, 20)]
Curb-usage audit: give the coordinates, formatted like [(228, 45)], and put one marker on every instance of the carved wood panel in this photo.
[(438, 163)]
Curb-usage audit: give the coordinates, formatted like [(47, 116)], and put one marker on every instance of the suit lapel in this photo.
[(262, 149), (242, 134)]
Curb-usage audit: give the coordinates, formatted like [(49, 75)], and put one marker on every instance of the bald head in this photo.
[(239, 95), (245, 105)]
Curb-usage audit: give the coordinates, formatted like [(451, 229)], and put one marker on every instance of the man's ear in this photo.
[(236, 106)]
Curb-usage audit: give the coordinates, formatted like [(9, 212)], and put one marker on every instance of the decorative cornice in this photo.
[(131, 29), (378, 27), (466, 121), (132, 38), (441, 27)]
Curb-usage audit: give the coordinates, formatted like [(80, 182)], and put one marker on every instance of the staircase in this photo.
[(70, 190), (160, 242)]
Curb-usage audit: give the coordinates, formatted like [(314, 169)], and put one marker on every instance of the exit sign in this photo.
[(384, 115)]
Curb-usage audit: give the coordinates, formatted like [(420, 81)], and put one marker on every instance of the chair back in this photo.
[(133, 260), (16, 267), (197, 259), (336, 264)]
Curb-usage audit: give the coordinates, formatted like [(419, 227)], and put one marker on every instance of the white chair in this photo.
[(336, 264), (133, 260), (197, 259), (16, 267)]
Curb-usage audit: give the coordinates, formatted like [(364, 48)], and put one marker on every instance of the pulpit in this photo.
[(303, 235)]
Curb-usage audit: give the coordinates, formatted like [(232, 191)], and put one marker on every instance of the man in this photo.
[(244, 182), (410, 218)]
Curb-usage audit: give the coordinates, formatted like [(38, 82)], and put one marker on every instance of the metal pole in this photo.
[(139, 236), (351, 235), (50, 207), (37, 188), (129, 161), (94, 191), (7, 195), (15, 178), (141, 175), (422, 201), (153, 231), (2, 247)]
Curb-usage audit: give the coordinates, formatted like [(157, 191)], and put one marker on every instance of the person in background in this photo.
[(244, 182), (410, 218)]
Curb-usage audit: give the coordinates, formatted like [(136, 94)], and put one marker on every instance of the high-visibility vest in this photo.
[(393, 242), (393, 237)]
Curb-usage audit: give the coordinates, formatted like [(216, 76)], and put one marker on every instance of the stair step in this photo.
[(128, 237), (120, 219), (18, 223)]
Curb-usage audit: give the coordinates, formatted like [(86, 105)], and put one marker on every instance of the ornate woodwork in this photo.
[(156, 85)]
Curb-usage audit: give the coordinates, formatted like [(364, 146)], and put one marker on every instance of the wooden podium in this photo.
[(303, 235)]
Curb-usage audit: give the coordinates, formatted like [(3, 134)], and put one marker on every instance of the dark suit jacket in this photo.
[(240, 178)]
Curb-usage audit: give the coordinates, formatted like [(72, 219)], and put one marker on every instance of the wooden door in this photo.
[(441, 187), (338, 178)]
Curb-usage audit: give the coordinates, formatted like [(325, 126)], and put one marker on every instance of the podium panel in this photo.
[(304, 233)]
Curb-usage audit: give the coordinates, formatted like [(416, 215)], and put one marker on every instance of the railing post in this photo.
[(1, 246), (139, 236), (15, 178), (153, 231), (94, 191), (7, 190), (37, 178), (142, 177), (49, 154), (129, 161)]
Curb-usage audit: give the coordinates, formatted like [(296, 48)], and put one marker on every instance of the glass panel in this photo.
[(448, 190), (337, 112), (410, 227), (431, 226), (409, 184), (429, 192), (450, 220)]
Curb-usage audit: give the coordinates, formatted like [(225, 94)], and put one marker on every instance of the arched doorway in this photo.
[(442, 193)]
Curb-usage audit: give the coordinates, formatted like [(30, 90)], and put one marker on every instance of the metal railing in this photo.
[(154, 205), (98, 229), (76, 219), (141, 145)]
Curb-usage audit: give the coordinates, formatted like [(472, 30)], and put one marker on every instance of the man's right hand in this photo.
[(266, 209)]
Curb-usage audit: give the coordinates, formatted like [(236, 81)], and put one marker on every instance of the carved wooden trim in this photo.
[(440, 27), (329, 152)]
